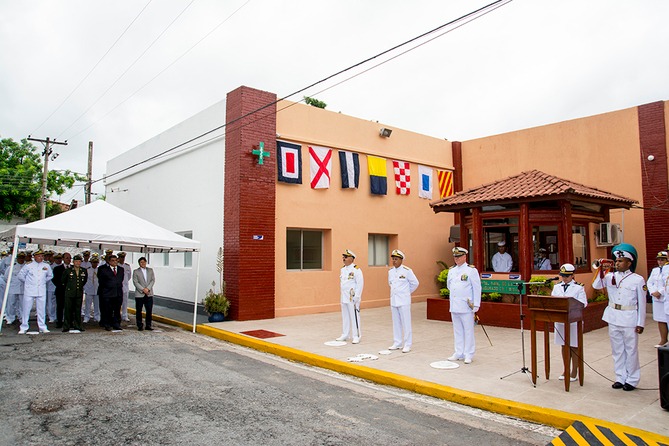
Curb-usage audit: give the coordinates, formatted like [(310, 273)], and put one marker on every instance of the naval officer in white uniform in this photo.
[(351, 283), (402, 282)]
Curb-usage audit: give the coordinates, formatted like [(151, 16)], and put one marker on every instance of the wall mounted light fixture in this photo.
[(385, 133)]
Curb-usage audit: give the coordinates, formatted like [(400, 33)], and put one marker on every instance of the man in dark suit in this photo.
[(57, 280), (110, 291)]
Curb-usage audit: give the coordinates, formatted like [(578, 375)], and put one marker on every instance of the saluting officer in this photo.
[(73, 281), (626, 314), (464, 285), (568, 287), (656, 287), (351, 284)]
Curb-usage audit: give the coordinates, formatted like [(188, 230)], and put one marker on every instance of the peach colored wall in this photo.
[(601, 151), (349, 216)]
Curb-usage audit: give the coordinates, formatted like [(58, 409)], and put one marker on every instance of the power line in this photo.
[(161, 71), (467, 18), (127, 69), (92, 69)]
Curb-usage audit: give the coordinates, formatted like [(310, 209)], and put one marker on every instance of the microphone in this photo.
[(552, 279)]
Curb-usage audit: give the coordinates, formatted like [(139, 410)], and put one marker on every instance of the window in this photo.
[(304, 249), (188, 256), (545, 243), (378, 249), (496, 230), (579, 236)]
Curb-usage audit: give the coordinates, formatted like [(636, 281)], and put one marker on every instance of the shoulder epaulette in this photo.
[(578, 283), (356, 267)]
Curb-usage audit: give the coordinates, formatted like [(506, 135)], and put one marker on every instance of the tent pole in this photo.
[(9, 280), (197, 290)]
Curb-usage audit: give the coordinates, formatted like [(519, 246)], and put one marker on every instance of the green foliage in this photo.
[(599, 296), (541, 288), (443, 276), (491, 297), (216, 302), (314, 102), (444, 292), (21, 181)]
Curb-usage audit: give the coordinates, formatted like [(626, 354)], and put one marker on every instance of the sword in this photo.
[(355, 312), (477, 321)]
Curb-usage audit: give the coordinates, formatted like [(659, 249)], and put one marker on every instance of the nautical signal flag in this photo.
[(378, 178), (425, 182), (350, 169), (320, 166), (402, 171), (289, 162), (445, 178)]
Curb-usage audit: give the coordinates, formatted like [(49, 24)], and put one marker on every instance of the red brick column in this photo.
[(250, 202), (654, 178)]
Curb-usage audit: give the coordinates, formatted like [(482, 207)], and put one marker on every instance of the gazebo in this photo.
[(532, 212)]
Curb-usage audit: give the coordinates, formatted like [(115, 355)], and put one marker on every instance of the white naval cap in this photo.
[(397, 253)]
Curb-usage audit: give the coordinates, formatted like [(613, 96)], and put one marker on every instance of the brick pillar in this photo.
[(654, 178), (250, 202)]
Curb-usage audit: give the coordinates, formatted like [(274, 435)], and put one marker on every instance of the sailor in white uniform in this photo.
[(34, 276), (402, 282), (464, 285), (351, 284), (657, 282), (502, 262), (569, 288), (626, 314)]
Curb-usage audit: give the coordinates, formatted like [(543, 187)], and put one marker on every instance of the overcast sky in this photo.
[(527, 63)]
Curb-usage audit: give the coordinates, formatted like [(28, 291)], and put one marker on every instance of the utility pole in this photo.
[(89, 172), (46, 154)]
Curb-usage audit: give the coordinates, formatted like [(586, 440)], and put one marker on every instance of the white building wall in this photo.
[(180, 191)]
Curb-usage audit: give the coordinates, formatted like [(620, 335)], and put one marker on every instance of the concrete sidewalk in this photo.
[(493, 379)]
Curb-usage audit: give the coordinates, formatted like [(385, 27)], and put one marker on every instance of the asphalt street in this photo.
[(176, 387)]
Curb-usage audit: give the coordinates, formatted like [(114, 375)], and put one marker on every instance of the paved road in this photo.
[(174, 387)]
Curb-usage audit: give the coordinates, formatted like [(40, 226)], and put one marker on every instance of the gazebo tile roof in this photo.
[(532, 184)]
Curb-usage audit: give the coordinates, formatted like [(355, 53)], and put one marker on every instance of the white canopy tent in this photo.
[(101, 226)]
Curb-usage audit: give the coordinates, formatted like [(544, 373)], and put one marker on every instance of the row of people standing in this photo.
[(56, 286)]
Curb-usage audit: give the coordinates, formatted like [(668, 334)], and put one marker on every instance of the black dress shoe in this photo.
[(117, 327), (140, 328), (59, 325), (617, 385), (108, 328), (149, 328), (65, 330), (628, 387)]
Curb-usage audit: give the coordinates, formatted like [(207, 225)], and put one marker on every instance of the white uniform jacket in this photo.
[(502, 263), (34, 277), (402, 283), (627, 298), (657, 282), (350, 278), (50, 286), (16, 287), (91, 286), (464, 284), (574, 290)]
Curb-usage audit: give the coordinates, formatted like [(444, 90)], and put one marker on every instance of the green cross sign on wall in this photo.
[(260, 151)]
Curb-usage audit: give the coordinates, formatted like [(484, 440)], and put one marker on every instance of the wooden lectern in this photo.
[(556, 309)]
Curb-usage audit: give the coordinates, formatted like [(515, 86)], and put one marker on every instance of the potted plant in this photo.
[(216, 304)]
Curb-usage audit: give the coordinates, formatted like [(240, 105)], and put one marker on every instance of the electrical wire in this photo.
[(161, 71), (94, 67), (467, 16), (128, 68)]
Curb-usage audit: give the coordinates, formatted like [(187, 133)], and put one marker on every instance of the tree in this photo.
[(21, 171), (314, 102)]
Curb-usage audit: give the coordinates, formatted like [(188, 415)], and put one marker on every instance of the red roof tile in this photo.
[(528, 186)]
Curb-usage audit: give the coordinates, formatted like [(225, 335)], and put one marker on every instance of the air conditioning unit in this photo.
[(609, 234)]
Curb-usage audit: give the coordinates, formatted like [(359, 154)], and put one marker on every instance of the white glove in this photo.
[(475, 309)]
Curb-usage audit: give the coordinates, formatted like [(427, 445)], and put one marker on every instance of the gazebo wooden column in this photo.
[(477, 237), (525, 248), (566, 248)]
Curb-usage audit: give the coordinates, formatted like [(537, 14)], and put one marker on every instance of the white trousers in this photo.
[(40, 307), (350, 315), (51, 305), (13, 307), (625, 352), (124, 306), (402, 335), (463, 335), (91, 302)]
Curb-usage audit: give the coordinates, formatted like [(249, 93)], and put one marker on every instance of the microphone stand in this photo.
[(524, 369)]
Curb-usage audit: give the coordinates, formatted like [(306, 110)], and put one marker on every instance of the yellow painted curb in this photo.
[(550, 417)]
